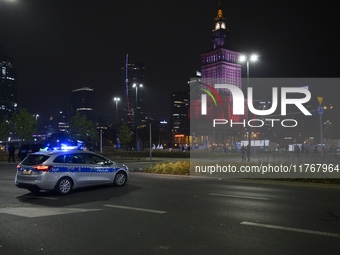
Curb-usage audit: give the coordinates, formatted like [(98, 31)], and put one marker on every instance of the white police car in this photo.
[(64, 171)]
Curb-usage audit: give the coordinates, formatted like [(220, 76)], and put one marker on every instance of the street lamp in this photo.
[(136, 86), (246, 58), (117, 99), (36, 118)]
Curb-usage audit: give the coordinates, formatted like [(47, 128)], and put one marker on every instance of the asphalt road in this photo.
[(157, 214)]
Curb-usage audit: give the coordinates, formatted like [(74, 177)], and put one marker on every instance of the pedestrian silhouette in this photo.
[(243, 152), (297, 149), (11, 150), (315, 151), (248, 152)]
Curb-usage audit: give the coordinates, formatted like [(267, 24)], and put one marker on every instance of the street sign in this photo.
[(320, 110), (320, 100)]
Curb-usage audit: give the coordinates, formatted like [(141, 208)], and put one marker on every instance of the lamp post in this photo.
[(117, 99), (136, 86), (36, 118), (252, 58)]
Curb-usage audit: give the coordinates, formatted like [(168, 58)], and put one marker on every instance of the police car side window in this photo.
[(94, 159), (61, 159), (70, 158), (77, 159)]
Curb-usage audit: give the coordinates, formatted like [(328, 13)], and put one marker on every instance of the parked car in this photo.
[(63, 171), (28, 148)]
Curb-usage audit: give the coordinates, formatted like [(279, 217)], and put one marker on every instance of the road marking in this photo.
[(32, 212), (291, 229), (225, 195), (136, 209)]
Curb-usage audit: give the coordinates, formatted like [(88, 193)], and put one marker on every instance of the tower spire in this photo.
[(220, 33), (220, 12)]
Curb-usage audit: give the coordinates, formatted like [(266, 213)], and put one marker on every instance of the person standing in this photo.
[(11, 151), (315, 151), (297, 149), (248, 152), (243, 152)]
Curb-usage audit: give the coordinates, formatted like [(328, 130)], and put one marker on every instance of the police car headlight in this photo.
[(125, 167)]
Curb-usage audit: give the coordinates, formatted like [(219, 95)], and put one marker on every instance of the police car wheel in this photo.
[(64, 186), (120, 179)]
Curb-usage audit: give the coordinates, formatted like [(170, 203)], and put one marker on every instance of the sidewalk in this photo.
[(257, 158)]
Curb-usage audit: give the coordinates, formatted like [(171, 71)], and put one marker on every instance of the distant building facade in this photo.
[(180, 123), (133, 76), (63, 121), (8, 86), (83, 100)]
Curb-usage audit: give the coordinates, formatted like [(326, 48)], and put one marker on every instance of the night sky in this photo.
[(60, 45)]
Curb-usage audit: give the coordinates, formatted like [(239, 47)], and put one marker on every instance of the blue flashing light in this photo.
[(66, 147)]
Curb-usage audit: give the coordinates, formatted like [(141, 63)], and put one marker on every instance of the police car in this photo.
[(63, 171)]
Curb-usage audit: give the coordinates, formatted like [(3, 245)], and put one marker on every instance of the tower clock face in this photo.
[(223, 25), (217, 26)]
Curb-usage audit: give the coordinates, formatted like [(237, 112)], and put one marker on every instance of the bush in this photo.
[(178, 168), (183, 168)]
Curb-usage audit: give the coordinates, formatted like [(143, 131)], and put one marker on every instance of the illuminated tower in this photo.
[(219, 65), (8, 86), (133, 75), (220, 35)]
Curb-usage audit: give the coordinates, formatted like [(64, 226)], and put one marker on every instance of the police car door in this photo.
[(81, 172), (101, 172), (74, 163)]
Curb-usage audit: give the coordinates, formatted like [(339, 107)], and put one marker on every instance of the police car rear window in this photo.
[(34, 159)]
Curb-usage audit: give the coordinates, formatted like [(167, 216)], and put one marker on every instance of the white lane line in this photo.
[(225, 195), (32, 212), (290, 229), (136, 209)]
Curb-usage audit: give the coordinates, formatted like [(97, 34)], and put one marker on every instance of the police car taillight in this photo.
[(43, 168)]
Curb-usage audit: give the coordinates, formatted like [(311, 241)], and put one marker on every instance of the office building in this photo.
[(83, 100), (133, 76), (180, 123), (8, 86)]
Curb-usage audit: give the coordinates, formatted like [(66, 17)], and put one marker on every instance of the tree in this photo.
[(124, 135), (5, 129), (24, 124), (83, 129)]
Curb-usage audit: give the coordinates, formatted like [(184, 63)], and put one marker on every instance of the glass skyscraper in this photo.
[(8, 86)]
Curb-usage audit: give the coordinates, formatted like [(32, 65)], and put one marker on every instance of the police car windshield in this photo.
[(34, 160)]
